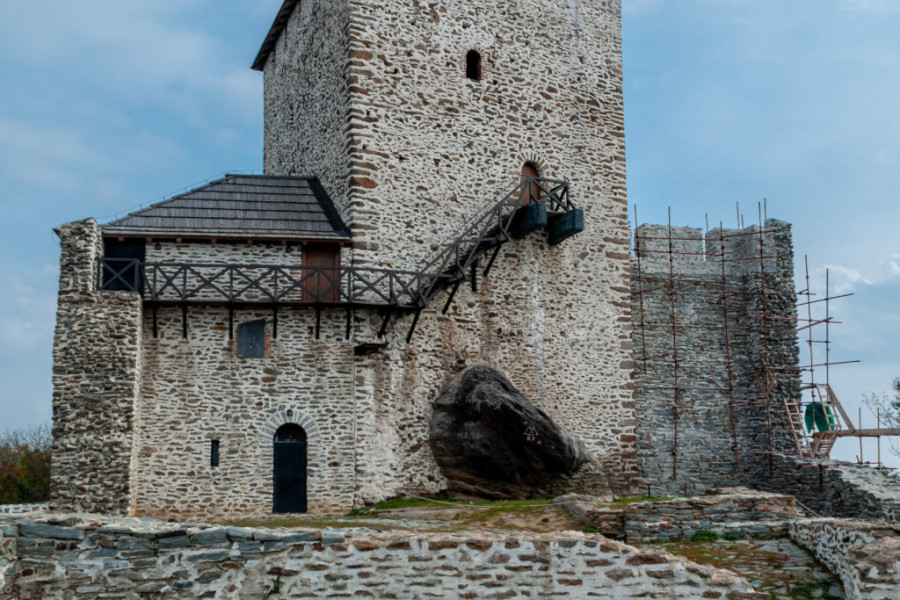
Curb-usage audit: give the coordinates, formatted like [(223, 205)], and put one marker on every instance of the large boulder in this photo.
[(489, 440)]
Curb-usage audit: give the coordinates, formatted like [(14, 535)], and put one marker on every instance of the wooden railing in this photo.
[(519, 212)]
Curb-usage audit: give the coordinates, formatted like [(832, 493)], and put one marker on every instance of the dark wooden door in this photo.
[(289, 467), (321, 285)]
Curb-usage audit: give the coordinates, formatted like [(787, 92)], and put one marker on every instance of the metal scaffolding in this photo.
[(814, 416)]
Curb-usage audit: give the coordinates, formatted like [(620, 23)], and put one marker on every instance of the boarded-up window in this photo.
[(321, 272), (252, 339)]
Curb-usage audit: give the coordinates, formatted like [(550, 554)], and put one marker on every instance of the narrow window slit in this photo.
[(473, 65)]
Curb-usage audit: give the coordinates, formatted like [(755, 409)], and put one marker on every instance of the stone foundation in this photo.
[(87, 556)]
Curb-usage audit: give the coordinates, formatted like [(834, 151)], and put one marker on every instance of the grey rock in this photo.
[(489, 440)]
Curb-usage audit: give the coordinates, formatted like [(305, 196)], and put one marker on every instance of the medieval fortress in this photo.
[(445, 187)]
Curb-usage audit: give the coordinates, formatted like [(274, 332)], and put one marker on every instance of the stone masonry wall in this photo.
[(757, 513), (426, 148), (865, 556), (850, 491), (718, 408), (306, 99), (96, 377), (21, 509), (86, 556), (198, 389)]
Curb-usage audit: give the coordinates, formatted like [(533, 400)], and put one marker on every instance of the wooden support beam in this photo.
[(884, 432)]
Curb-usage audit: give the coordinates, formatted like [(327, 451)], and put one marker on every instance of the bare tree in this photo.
[(888, 408)]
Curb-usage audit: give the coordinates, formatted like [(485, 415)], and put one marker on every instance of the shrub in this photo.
[(25, 465), (705, 535)]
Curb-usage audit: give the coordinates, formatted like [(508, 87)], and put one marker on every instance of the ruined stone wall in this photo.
[(865, 556), (96, 378), (753, 513), (833, 490), (21, 509), (8, 560), (427, 148), (85, 556), (718, 340)]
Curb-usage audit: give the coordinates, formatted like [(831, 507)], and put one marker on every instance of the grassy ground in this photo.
[(440, 514)]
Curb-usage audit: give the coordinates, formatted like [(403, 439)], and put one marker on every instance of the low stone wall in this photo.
[(757, 513), (866, 556), (850, 491), (22, 509), (87, 556)]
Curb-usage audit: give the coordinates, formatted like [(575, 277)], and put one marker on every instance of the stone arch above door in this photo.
[(290, 415)]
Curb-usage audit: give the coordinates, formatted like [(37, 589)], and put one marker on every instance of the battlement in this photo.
[(686, 251)]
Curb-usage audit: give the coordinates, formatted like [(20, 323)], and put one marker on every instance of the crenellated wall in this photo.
[(712, 352), (96, 382)]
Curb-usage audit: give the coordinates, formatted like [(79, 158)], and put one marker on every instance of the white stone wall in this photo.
[(425, 149), (306, 98), (197, 389)]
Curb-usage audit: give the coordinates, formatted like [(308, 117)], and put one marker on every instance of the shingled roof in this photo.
[(281, 19), (257, 207)]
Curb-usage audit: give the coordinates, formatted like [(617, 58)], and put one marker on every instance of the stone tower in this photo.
[(415, 115)]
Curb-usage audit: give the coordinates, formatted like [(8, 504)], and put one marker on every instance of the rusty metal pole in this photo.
[(674, 347)]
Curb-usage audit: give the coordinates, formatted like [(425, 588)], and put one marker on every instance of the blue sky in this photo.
[(114, 103)]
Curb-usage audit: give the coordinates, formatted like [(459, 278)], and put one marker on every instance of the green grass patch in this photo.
[(623, 501), (704, 535), (734, 535)]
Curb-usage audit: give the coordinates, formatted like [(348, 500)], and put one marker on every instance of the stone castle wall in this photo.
[(87, 556), (96, 381), (306, 101), (718, 406), (427, 148), (198, 389)]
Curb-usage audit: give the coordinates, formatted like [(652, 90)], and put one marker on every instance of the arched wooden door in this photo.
[(529, 170), (289, 469)]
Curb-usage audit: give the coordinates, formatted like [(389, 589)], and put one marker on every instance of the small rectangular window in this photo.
[(252, 339), (214, 453)]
